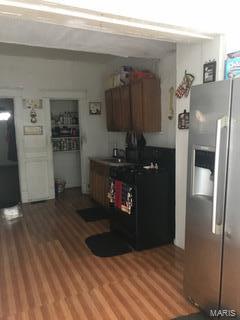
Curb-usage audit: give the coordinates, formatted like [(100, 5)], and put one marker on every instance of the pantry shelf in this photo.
[(66, 151), (59, 138), (66, 125)]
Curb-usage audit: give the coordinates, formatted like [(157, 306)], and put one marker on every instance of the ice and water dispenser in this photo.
[(203, 172)]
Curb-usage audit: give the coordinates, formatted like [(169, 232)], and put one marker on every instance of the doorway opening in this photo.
[(65, 144), (9, 173)]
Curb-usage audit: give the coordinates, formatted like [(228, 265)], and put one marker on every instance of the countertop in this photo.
[(110, 161)]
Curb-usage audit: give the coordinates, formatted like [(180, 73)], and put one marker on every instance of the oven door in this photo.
[(123, 219)]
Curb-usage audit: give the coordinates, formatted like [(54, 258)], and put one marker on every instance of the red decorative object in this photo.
[(184, 88)]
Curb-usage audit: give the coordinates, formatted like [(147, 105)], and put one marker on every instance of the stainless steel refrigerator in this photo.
[(212, 248)]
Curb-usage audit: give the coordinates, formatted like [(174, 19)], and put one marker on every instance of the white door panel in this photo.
[(37, 179), (38, 156)]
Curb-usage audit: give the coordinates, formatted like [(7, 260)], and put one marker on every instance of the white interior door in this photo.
[(34, 151), (38, 156)]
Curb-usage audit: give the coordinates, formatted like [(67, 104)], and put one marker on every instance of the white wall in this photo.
[(36, 74), (232, 42), (67, 167), (190, 57), (166, 70)]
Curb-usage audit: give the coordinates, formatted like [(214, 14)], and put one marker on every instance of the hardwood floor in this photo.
[(47, 272)]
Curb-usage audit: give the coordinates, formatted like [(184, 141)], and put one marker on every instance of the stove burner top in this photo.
[(129, 173)]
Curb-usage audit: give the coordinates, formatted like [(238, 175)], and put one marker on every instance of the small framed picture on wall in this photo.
[(209, 72), (183, 120), (95, 108)]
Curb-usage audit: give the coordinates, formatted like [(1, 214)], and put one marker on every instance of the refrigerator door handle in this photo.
[(221, 123)]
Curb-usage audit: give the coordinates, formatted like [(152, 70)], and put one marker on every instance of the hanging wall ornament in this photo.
[(33, 105), (33, 116), (183, 120), (184, 88)]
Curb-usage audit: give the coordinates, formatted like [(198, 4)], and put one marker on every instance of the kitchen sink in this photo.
[(114, 160)]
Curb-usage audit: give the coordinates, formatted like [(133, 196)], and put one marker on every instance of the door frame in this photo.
[(81, 97), (17, 95)]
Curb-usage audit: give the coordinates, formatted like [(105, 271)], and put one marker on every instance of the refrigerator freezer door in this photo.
[(207, 163), (231, 262)]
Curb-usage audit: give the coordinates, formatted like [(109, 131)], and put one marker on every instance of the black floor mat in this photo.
[(107, 244), (194, 316), (94, 214)]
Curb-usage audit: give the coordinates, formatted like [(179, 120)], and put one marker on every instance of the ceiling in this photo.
[(10, 49), (33, 33), (206, 17), (64, 24)]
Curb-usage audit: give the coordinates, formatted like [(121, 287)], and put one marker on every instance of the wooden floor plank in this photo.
[(47, 272)]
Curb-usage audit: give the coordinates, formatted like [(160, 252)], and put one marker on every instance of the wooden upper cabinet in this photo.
[(151, 105), (109, 111), (118, 109), (136, 107), (125, 108), (146, 105)]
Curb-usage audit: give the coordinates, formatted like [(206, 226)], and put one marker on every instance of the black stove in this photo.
[(129, 174), (142, 198)]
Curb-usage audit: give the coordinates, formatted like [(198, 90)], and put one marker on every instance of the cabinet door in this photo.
[(117, 109), (102, 190), (151, 95), (109, 109), (125, 108), (99, 175), (136, 106)]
